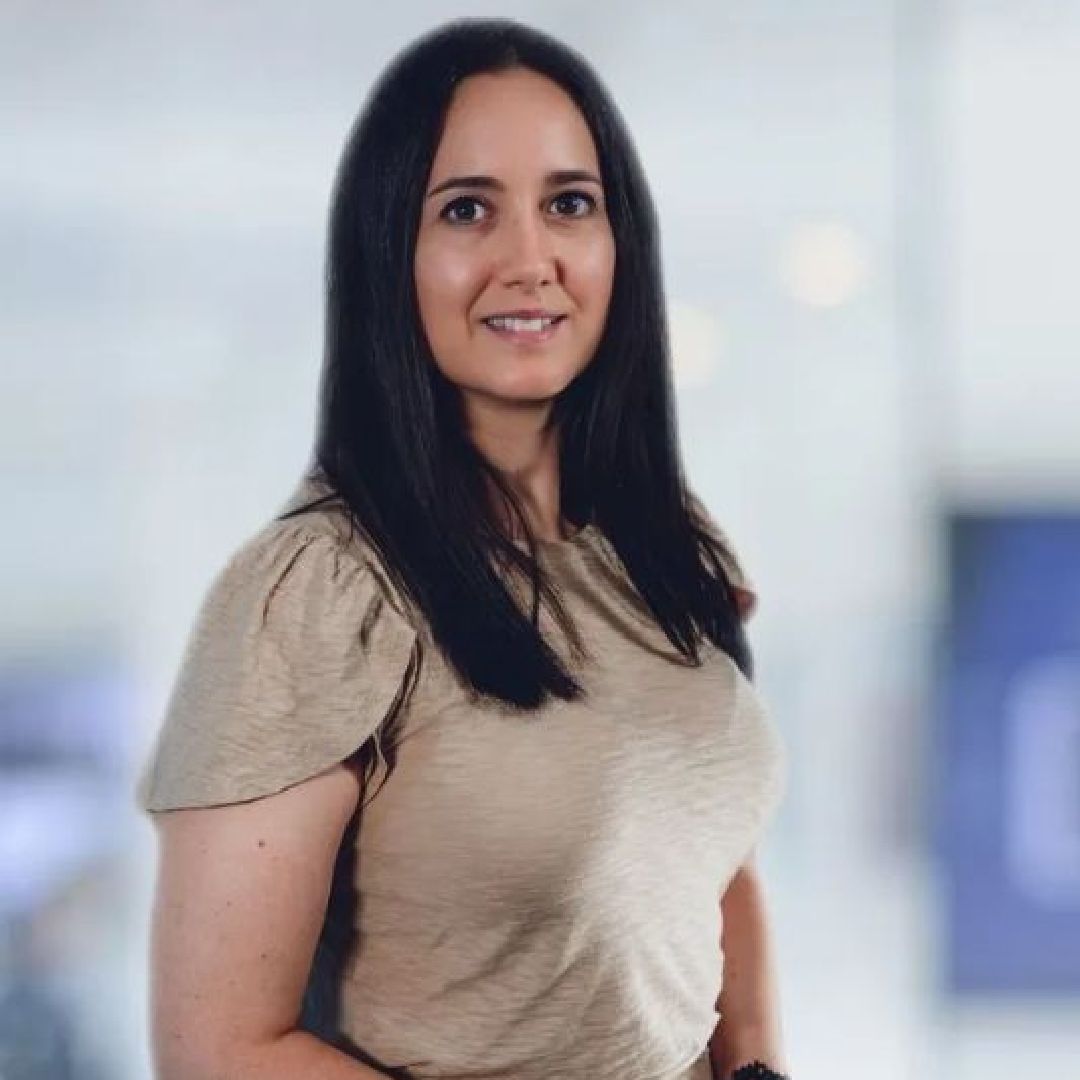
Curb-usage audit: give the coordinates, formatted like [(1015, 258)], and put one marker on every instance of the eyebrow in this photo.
[(552, 179)]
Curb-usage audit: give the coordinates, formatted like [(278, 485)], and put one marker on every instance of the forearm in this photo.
[(295, 1054), (749, 1004)]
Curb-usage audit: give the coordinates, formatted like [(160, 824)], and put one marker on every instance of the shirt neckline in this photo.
[(570, 543), (311, 486)]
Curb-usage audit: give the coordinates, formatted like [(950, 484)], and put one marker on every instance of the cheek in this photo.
[(445, 281), (595, 273)]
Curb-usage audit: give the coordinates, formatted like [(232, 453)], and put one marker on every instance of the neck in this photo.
[(525, 450)]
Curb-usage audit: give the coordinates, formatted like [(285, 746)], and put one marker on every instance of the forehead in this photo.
[(511, 122)]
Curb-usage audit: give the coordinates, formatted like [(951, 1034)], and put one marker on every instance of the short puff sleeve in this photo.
[(296, 657), (746, 594)]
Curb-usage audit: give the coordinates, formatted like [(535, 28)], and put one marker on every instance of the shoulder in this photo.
[(316, 555), (730, 557), (300, 649)]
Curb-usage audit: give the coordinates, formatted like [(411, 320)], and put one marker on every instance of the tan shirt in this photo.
[(526, 898)]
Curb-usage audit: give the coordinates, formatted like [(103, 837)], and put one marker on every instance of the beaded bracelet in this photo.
[(756, 1070)]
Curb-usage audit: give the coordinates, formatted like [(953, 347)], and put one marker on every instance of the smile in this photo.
[(525, 331)]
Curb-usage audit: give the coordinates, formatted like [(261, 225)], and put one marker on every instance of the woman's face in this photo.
[(513, 219)]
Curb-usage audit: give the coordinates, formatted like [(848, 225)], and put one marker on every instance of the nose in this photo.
[(528, 258)]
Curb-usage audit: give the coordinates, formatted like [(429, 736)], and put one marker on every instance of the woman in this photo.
[(494, 591)]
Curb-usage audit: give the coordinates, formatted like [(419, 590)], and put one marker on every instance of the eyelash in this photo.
[(592, 203)]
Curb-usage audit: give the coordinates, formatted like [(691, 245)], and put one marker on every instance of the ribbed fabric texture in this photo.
[(526, 898)]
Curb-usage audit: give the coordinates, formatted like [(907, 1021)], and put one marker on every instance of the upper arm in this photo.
[(240, 897), (746, 871), (297, 658)]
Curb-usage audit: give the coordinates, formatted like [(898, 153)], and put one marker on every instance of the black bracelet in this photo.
[(756, 1070)]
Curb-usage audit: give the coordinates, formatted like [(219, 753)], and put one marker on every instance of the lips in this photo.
[(526, 337), (546, 318), (524, 313)]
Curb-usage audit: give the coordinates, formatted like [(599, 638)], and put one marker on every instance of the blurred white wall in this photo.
[(869, 227)]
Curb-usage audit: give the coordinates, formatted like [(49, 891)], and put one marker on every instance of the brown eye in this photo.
[(463, 200), (569, 197)]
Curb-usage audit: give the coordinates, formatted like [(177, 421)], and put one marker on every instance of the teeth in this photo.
[(504, 322)]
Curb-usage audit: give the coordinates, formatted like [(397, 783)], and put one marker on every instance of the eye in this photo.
[(462, 200), (589, 201)]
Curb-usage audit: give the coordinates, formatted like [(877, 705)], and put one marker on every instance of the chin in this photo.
[(524, 376), (535, 385)]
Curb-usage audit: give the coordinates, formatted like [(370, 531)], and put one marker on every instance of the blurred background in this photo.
[(871, 232)]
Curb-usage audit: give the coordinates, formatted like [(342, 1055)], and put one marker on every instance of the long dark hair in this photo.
[(391, 439)]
